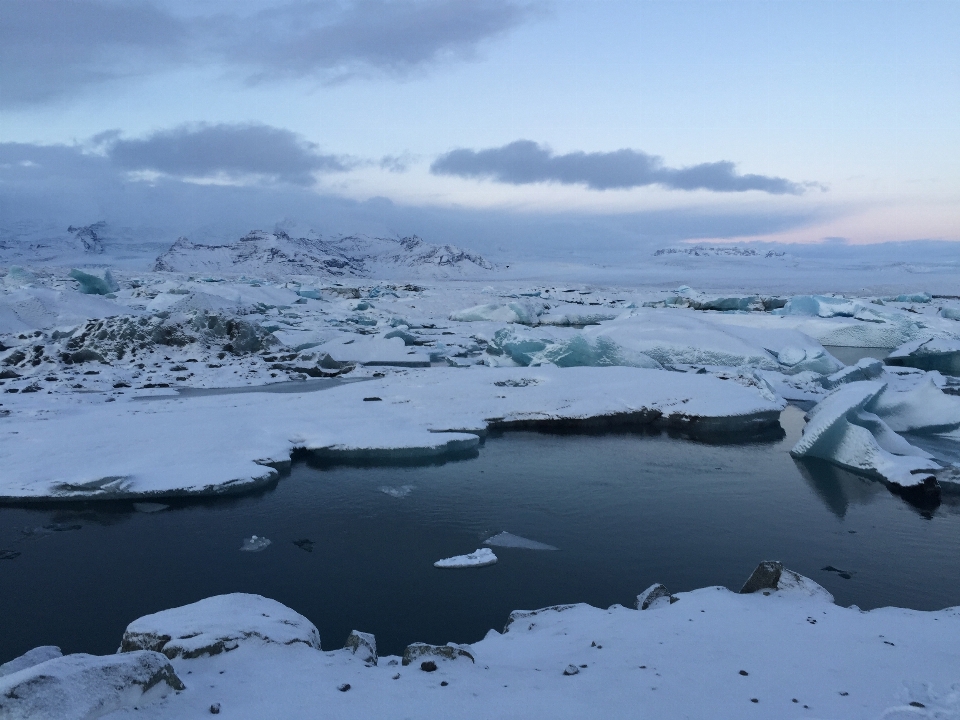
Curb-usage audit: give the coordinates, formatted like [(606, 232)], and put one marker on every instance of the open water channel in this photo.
[(625, 511)]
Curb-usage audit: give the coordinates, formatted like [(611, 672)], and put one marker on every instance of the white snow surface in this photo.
[(81, 687), (77, 449), (478, 558), (681, 659)]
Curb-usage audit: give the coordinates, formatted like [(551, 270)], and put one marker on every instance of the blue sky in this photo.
[(595, 124)]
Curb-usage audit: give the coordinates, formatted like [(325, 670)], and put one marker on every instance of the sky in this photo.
[(538, 126)]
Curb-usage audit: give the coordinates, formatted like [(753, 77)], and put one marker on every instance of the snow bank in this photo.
[(698, 656), (30, 658), (80, 687), (846, 429), (229, 443), (219, 624)]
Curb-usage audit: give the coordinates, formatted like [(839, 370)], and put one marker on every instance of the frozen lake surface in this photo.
[(625, 511)]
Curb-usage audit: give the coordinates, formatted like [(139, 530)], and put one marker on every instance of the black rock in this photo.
[(765, 577), (428, 666)]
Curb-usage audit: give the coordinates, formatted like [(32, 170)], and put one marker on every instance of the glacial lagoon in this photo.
[(353, 547)]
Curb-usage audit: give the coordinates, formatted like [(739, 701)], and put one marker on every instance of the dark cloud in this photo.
[(233, 150), (524, 161), (69, 185), (52, 48), (55, 48)]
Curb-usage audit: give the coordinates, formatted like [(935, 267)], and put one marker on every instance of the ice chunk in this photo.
[(397, 492), (924, 408), (942, 354), (478, 558), (951, 313), (865, 369), (95, 284), (509, 540), (218, 624), (537, 347), (523, 313), (910, 298), (30, 658), (254, 544), (843, 429), (78, 687), (18, 277), (351, 348)]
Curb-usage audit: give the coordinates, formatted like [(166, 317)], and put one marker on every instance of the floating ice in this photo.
[(942, 354), (352, 348), (254, 544), (478, 558), (400, 491), (846, 428), (865, 369), (509, 540)]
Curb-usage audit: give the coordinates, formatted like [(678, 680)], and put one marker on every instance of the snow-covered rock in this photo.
[(30, 658), (219, 624), (80, 687)]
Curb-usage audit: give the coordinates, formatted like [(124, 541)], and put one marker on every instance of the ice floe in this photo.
[(478, 558), (230, 443), (255, 543), (509, 540), (941, 354)]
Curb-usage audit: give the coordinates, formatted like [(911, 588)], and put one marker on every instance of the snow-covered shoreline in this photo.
[(780, 648)]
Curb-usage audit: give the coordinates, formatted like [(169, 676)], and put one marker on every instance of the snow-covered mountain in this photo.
[(262, 253)]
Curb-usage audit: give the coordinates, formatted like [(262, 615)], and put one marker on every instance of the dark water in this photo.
[(625, 510)]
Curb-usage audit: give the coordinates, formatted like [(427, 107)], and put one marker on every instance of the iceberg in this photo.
[(942, 354), (522, 313), (865, 369), (478, 558), (93, 284), (848, 429)]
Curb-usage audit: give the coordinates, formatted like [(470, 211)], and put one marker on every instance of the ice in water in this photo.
[(400, 491), (509, 540), (254, 544), (478, 558)]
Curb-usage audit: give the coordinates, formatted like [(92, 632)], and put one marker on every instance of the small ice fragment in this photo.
[(149, 507), (397, 492), (478, 558), (510, 540), (254, 544)]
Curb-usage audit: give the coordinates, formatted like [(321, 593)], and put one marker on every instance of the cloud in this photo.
[(231, 150), (69, 185), (56, 48), (524, 161)]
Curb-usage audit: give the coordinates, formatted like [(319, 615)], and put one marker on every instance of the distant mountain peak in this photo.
[(264, 253)]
